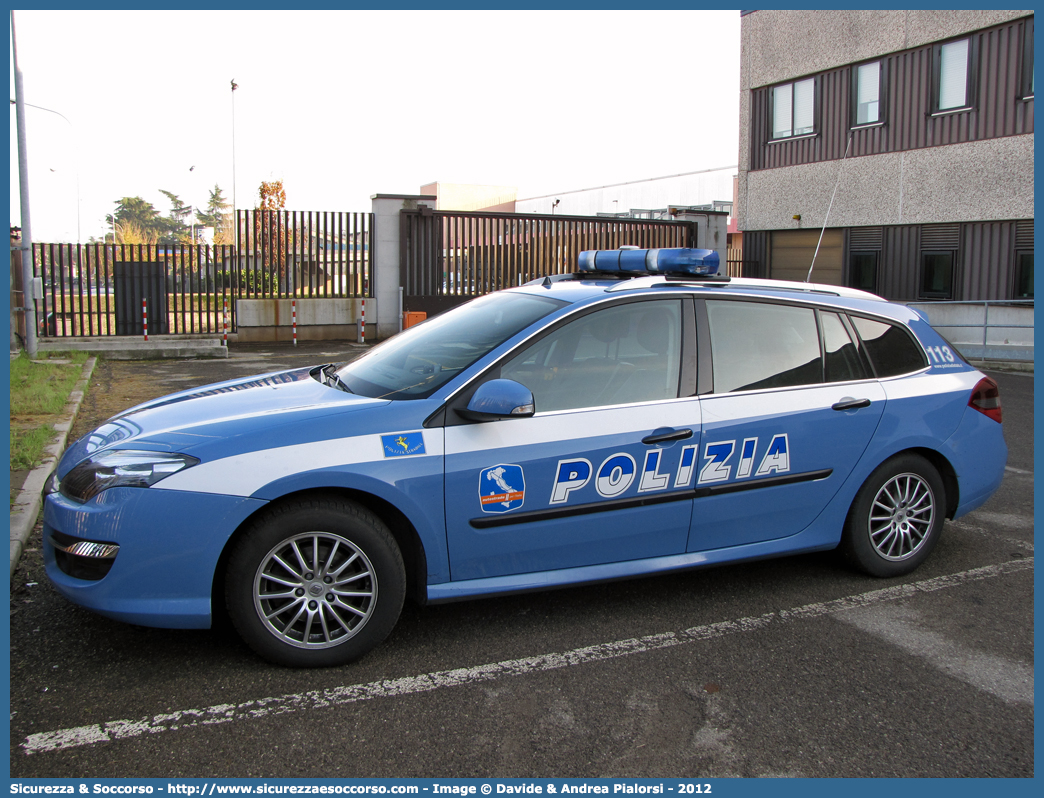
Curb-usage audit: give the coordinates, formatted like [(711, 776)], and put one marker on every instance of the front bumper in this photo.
[(169, 545)]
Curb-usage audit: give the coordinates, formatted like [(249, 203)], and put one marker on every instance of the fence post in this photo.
[(985, 326), (384, 255)]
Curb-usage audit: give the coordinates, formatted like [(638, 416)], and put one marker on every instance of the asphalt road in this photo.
[(791, 667)]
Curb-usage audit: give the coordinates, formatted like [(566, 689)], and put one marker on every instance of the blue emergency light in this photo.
[(680, 261)]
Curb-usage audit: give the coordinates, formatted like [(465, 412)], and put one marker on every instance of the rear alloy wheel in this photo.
[(896, 518), (315, 583)]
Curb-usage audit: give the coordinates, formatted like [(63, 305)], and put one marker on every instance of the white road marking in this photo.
[(109, 731), (970, 523), (1010, 681)]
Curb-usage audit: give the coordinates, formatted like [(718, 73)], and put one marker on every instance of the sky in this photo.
[(342, 105)]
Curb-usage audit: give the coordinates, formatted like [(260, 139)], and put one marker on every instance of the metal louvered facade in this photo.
[(918, 189), (907, 119)]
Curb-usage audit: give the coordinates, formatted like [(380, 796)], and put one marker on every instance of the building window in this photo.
[(793, 109), (862, 271), (1024, 275), (866, 89), (936, 275), (1027, 60), (953, 73)]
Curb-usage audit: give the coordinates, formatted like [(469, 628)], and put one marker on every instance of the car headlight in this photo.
[(120, 469)]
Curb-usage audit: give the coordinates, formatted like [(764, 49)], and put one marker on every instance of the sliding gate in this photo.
[(449, 257)]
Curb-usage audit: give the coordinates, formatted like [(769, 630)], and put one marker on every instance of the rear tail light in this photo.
[(985, 398)]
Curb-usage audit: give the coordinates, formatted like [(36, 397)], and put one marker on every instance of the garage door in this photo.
[(792, 252)]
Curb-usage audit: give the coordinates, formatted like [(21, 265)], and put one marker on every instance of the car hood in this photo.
[(227, 418)]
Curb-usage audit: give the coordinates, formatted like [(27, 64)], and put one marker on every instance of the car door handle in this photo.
[(667, 434), (848, 403)]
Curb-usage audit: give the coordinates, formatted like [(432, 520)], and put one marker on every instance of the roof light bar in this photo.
[(692, 262)]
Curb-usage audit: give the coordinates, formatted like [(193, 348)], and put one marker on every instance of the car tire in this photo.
[(315, 583), (896, 518)]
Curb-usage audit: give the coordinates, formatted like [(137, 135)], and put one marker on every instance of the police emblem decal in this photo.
[(502, 488), (403, 444)]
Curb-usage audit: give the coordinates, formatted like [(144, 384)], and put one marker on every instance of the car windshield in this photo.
[(418, 361)]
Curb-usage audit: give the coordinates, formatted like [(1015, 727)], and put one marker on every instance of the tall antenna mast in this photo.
[(808, 277)]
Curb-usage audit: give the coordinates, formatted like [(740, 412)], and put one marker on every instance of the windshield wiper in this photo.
[(331, 379)]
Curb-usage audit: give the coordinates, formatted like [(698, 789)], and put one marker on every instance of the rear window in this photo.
[(891, 349)]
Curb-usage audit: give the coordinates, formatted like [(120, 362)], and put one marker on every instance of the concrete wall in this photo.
[(975, 181), (779, 45), (962, 323), (317, 319)]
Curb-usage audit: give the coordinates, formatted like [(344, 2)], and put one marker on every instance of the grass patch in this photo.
[(27, 446), (39, 392), (39, 388)]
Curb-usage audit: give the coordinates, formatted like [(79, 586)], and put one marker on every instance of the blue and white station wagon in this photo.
[(642, 415)]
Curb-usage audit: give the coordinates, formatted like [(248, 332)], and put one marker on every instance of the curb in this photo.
[(161, 347), (1024, 366), (26, 508)]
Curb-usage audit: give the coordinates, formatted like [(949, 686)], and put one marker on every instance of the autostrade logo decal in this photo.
[(403, 444), (502, 488)]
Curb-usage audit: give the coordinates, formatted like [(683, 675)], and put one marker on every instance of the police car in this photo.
[(640, 416)]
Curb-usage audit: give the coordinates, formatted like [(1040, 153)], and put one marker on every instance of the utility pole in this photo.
[(234, 87), (28, 303)]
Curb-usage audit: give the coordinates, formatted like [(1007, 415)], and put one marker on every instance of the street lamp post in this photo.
[(28, 303), (234, 87), (76, 159)]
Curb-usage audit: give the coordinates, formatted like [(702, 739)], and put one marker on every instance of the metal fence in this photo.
[(97, 289), (984, 329), (447, 257), (303, 253)]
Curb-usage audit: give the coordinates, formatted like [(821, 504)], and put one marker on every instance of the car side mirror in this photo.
[(499, 399)]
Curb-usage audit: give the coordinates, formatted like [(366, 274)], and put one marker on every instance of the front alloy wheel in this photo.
[(314, 582), (315, 590)]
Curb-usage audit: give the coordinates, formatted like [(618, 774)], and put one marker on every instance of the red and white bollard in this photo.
[(362, 327), (293, 317), (224, 337), (145, 317)]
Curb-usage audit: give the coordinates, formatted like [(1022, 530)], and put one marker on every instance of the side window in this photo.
[(862, 271), (1027, 60), (1024, 275), (891, 349), (936, 275), (953, 76), (866, 94), (840, 356), (757, 345), (619, 355), (793, 109)]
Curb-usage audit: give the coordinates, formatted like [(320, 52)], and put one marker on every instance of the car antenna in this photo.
[(808, 277)]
